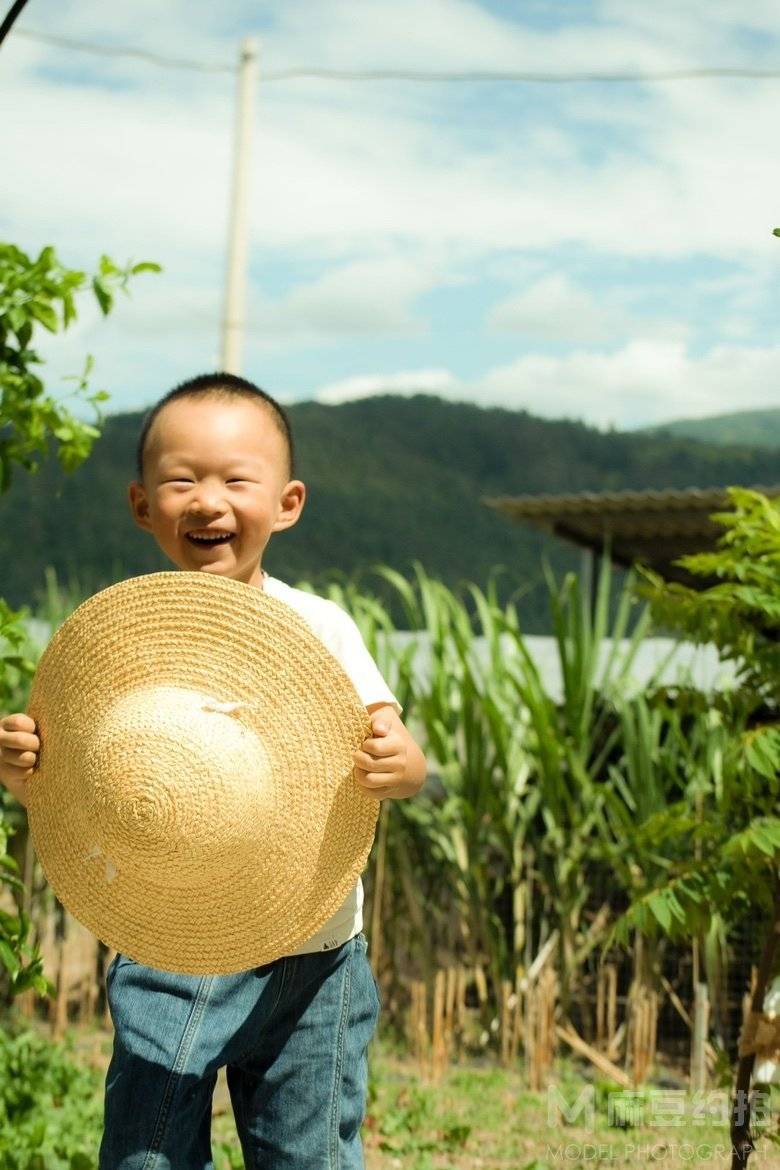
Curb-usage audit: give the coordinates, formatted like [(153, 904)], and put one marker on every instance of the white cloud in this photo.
[(696, 25), (375, 296), (642, 383), (557, 309), (554, 308), (407, 382)]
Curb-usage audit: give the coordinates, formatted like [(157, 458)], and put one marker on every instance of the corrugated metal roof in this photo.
[(654, 527), (612, 503)]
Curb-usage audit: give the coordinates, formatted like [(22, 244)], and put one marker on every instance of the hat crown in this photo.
[(154, 746)]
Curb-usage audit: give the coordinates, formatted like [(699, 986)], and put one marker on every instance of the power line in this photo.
[(514, 75), (125, 51), (414, 75), (13, 13)]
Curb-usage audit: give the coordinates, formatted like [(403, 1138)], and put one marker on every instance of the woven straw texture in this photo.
[(194, 803)]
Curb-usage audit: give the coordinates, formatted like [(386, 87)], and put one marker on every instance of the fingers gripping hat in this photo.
[(194, 803)]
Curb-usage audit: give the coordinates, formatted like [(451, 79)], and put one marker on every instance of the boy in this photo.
[(215, 482)]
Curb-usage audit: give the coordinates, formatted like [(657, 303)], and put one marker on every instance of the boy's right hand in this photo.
[(19, 747)]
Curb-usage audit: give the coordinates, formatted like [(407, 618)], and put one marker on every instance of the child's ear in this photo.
[(139, 504), (292, 500)]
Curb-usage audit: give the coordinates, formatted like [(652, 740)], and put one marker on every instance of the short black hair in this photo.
[(218, 385)]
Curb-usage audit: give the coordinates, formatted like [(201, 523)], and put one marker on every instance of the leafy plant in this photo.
[(732, 846), (43, 292), (573, 738), (50, 1107), (38, 293), (408, 1128), (733, 835)]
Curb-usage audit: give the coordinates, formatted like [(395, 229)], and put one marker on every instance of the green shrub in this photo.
[(51, 1108)]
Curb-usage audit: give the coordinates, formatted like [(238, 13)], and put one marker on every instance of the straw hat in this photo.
[(194, 803)]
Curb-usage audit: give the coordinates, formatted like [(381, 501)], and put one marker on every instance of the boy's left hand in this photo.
[(381, 765)]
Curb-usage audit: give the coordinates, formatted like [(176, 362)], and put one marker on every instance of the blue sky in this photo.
[(593, 250)]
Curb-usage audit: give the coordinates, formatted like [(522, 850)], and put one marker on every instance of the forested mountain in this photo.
[(390, 479), (753, 428)]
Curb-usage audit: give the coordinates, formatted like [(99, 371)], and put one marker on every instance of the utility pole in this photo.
[(234, 309)]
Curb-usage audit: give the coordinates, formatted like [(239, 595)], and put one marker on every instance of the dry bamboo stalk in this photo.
[(612, 1027), (438, 1042), (540, 1047), (616, 1041), (646, 1034), (640, 1040), (420, 1024), (529, 1036), (676, 1002), (481, 982), (601, 1008), (59, 1008), (539, 1028), (449, 1007), (414, 1013), (89, 1002), (644, 1052), (411, 1030), (570, 1037), (505, 1021), (631, 1026), (460, 998), (546, 1047), (510, 1019), (682, 1012), (517, 1016), (701, 1014)]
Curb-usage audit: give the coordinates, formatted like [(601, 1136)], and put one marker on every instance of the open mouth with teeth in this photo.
[(209, 539)]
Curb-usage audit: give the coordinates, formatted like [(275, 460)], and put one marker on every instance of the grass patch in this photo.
[(478, 1117)]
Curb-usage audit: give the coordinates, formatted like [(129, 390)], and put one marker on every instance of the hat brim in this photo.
[(200, 897)]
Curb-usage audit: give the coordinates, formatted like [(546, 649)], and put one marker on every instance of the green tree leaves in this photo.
[(35, 293), (722, 843)]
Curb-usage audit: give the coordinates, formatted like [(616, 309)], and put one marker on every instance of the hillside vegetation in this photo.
[(752, 428), (390, 480)]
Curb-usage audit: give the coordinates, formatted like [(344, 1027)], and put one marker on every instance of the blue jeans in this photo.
[(293, 1036)]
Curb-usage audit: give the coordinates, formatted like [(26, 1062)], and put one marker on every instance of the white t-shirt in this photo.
[(339, 633)]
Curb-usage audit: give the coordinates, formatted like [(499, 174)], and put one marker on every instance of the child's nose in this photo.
[(209, 500)]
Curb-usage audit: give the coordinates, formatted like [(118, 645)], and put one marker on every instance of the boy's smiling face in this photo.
[(215, 485)]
